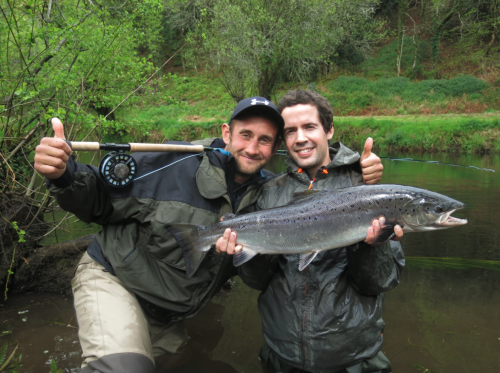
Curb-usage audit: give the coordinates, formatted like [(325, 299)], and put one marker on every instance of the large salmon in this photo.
[(315, 221)]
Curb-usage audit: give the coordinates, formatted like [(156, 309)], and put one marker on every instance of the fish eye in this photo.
[(439, 209)]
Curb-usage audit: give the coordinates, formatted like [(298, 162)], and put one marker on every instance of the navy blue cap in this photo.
[(263, 106)]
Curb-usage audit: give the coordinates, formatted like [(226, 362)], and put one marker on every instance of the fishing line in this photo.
[(284, 152), (168, 165), (437, 162)]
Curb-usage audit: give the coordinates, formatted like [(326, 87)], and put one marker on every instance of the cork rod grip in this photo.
[(137, 147), (84, 146)]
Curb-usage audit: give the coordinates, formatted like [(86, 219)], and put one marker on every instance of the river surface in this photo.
[(444, 316)]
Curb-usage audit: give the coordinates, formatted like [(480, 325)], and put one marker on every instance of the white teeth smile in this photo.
[(305, 150)]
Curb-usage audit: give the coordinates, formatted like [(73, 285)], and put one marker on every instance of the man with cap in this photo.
[(131, 292)]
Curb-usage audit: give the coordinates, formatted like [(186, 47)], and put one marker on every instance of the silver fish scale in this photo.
[(319, 222), (322, 221)]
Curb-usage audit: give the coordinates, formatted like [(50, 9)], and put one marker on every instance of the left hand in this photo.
[(371, 166), (227, 243), (373, 231)]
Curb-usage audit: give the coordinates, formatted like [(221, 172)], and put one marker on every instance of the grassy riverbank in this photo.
[(478, 133), (450, 115)]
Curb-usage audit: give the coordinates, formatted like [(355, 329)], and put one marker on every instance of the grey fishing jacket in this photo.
[(134, 243), (329, 316)]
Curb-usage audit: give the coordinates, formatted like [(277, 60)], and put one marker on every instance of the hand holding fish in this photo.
[(371, 166), (228, 242), (377, 225), (53, 153)]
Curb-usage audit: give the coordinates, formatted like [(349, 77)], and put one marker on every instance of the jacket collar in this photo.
[(340, 155), (217, 170)]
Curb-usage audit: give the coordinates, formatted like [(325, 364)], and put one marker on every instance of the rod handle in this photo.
[(138, 147), (83, 146)]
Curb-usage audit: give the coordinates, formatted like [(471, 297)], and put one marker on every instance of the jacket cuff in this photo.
[(66, 179)]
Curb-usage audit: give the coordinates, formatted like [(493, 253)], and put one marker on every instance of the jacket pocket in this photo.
[(161, 244)]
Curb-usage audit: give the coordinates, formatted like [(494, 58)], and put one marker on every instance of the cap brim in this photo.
[(271, 114)]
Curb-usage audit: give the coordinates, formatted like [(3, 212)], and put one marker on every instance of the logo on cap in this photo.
[(255, 101)]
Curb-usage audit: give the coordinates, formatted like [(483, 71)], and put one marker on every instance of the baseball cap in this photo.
[(263, 108)]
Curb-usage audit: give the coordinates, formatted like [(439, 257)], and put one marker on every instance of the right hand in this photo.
[(227, 243), (53, 153)]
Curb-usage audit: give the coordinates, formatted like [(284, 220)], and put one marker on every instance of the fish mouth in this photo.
[(446, 220)]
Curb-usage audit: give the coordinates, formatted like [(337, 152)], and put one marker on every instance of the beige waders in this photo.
[(112, 323)]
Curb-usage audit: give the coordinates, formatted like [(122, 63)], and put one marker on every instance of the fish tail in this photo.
[(193, 248)]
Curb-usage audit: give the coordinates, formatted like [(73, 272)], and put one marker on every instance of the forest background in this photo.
[(415, 75)]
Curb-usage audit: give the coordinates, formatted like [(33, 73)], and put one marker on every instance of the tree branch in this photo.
[(47, 58), (49, 9)]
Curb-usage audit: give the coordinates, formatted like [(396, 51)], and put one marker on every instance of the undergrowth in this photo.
[(430, 134)]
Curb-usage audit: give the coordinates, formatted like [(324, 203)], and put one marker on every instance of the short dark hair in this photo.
[(307, 97)]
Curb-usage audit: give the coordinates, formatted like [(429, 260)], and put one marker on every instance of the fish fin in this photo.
[(299, 196), (386, 233), (306, 258), (227, 216), (186, 236), (243, 256)]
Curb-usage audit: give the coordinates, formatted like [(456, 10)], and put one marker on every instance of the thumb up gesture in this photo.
[(53, 153), (371, 166)]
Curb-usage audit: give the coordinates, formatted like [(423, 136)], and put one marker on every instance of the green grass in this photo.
[(446, 133), (349, 94), (181, 108)]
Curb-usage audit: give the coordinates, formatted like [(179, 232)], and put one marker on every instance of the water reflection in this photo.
[(205, 332), (45, 327), (444, 316)]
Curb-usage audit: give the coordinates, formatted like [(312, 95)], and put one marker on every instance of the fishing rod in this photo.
[(118, 168)]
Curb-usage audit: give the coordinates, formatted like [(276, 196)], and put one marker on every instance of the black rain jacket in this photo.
[(329, 316)]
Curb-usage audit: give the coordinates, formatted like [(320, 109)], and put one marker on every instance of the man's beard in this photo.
[(246, 171)]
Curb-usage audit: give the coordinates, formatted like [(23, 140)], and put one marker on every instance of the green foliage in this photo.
[(383, 64), (53, 367), (254, 46), (349, 93), (19, 231), (11, 363)]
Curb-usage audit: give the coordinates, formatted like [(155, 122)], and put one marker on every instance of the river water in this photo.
[(444, 316)]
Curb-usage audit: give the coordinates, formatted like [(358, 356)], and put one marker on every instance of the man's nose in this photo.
[(301, 136), (253, 147)]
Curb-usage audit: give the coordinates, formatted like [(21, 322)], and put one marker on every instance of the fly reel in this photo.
[(118, 168)]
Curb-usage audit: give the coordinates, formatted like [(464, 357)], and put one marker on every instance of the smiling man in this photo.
[(328, 317), (131, 292)]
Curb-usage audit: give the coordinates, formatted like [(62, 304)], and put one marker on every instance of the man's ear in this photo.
[(226, 133), (329, 134)]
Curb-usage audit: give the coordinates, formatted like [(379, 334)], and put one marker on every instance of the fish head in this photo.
[(428, 212)]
